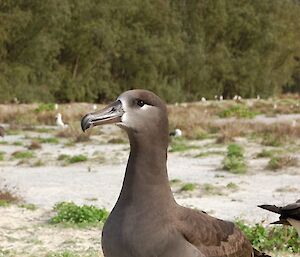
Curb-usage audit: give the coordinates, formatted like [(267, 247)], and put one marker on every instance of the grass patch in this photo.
[(63, 157), (238, 111), (175, 181), (7, 198), (232, 186), (78, 158), (209, 153), (2, 155), (45, 107), (210, 189), (48, 140), (188, 187), (3, 143), (180, 145), (68, 253), (71, 214), (23, 154), (38, 163), (275, 238), (279, 162), (28, 206), (17, 143), (271, 140), (265, 154), (234, 160)]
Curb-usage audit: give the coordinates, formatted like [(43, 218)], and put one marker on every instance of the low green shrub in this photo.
[(23, 154), (188, 187), (275, 238), (70, 213), (234, 160), (238, 111), (78, 158)]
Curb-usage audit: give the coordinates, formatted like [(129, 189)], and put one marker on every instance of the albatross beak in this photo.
[(110, 114)]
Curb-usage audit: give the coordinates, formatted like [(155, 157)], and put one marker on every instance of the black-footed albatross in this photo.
[(146, 221), (289, 214)]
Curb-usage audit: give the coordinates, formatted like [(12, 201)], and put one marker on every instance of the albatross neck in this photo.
[(146, 180)]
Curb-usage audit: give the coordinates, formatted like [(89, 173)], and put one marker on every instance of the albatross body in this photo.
[(146, 221)]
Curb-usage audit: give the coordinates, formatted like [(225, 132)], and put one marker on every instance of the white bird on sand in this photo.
[(221, 98), (239, 98), (56, 107), (258, 97), (274, 106), (203, 99), (216, 97), (176, 133), (235, 98), (59, 121), (95, 107)]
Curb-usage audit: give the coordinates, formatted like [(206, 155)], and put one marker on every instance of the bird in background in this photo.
[(59, 121), (289, 214), (176, 133)]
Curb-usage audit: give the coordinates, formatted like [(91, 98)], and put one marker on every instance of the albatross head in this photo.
[(137, 111)]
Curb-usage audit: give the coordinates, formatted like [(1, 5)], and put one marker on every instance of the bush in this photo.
[(188, 187), (234, 161), (78, 158), (276, 238), (23, 154), (279, 162), (238, 111), (70, 213)]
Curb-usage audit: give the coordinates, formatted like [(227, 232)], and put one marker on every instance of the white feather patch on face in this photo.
[(145, 107)]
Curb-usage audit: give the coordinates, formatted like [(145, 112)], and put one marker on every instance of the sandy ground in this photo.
[(98, 182)]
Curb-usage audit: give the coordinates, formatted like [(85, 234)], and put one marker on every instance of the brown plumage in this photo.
[(146, 221)]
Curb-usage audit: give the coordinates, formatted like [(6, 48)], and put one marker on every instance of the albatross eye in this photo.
[(140, 103)]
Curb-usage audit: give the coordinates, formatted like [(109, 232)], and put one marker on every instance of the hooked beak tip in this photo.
[(85, 123)]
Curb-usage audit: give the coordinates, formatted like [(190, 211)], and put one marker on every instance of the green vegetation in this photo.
[(3, 143), (265, 154), (279, 162), (232, 186), (180, 145), (2, 154), (275, 238), (28, 206), (17, 143), (175, 181), (63, 157), (272, 140), (93, 50), (67, 253), (209, 153), (23, 155), (238, 111), (7, 198), (210, 189), (188, 187), (48, 140), (234, 161), (69, 213), (45, 107), (78, 158)]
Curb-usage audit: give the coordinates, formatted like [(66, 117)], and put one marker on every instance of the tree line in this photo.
[(92, 50)]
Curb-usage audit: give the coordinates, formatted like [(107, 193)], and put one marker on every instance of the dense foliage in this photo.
[(275, 238), (71, 50), (70, 213)]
